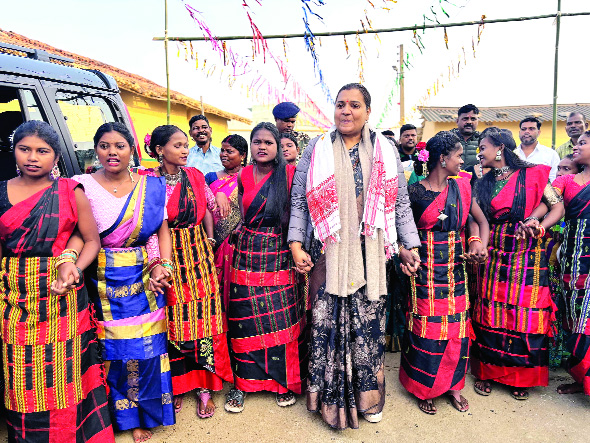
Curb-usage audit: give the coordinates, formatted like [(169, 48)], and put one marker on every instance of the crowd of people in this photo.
[(291, 272)]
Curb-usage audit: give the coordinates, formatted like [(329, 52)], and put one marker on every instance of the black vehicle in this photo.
[(36, 85)]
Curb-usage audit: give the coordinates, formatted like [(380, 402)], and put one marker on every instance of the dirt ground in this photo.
[(545, 417)]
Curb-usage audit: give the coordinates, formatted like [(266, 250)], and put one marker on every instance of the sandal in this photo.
[(481, 387), (520, 394), (427, 406), (236, 396), (374, 418), (287, 399), (203, 398), (461, 406)]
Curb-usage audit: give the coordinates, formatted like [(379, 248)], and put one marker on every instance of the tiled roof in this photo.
[(506, 113), (126, 80)]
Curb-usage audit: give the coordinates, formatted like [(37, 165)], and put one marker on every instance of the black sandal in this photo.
[(237, 396)]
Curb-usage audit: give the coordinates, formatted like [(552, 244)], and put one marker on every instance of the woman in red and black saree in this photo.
[(575, 268), (435, 348), (514, 310), (197, 326), (54, 376), (128, 288), (266, 309), (349, 210)]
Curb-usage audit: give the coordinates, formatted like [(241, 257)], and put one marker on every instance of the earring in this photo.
[(443, 164), (499, 155), (17, 171), (160, 158), (55, 174), (96, 164), (130, 173)]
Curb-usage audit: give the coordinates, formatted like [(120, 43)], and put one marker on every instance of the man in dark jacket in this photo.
[(466, 130)]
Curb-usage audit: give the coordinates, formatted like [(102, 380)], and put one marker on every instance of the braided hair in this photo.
[(443, 143)]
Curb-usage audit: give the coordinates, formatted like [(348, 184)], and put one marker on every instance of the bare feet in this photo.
[(140, 435), (482, 387), (570, 388), (459, 402), (427, 406), (178, 403)]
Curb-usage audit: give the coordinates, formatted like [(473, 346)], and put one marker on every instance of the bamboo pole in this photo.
[(402, 112), (555, 70), (167, 68), (381, 31)]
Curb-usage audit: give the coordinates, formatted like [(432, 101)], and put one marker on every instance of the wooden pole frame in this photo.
[(380, 31), (557, 16), (555, 71), (167, 67)]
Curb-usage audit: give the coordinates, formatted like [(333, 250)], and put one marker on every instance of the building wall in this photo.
[(431, 128), (147, 114)]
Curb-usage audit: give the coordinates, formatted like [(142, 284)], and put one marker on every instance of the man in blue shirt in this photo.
[(203, 156)]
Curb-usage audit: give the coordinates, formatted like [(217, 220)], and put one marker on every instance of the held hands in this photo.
[(529, 228), (410, 261), (67, 279), (158, 281), (477, 253), (303, 263)]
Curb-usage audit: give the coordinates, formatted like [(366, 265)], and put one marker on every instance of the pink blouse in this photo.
[(566, 186), (106, 208)]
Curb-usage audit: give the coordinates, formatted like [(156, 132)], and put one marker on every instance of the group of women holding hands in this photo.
[(124, 289)]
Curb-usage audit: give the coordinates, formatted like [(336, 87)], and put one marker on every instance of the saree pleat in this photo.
[(54, 377)]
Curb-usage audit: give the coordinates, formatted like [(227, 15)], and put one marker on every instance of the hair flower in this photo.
[(147, 139), (420, 146), (423, 155)]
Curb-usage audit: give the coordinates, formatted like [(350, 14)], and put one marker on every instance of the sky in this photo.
[(513, 62)]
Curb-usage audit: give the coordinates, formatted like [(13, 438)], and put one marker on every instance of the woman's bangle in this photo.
[(541, 233), (532, 217), (71, 252), (474, 238), (152, 264), (61, 260), (212, 241)]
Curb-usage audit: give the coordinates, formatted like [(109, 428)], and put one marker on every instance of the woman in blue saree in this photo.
[(130, 213)]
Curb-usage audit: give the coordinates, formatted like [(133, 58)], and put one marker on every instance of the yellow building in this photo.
[(145, 100), (508, 117)]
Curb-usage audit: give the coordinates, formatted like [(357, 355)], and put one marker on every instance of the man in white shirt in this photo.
[(203, 156), (531, 150)]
